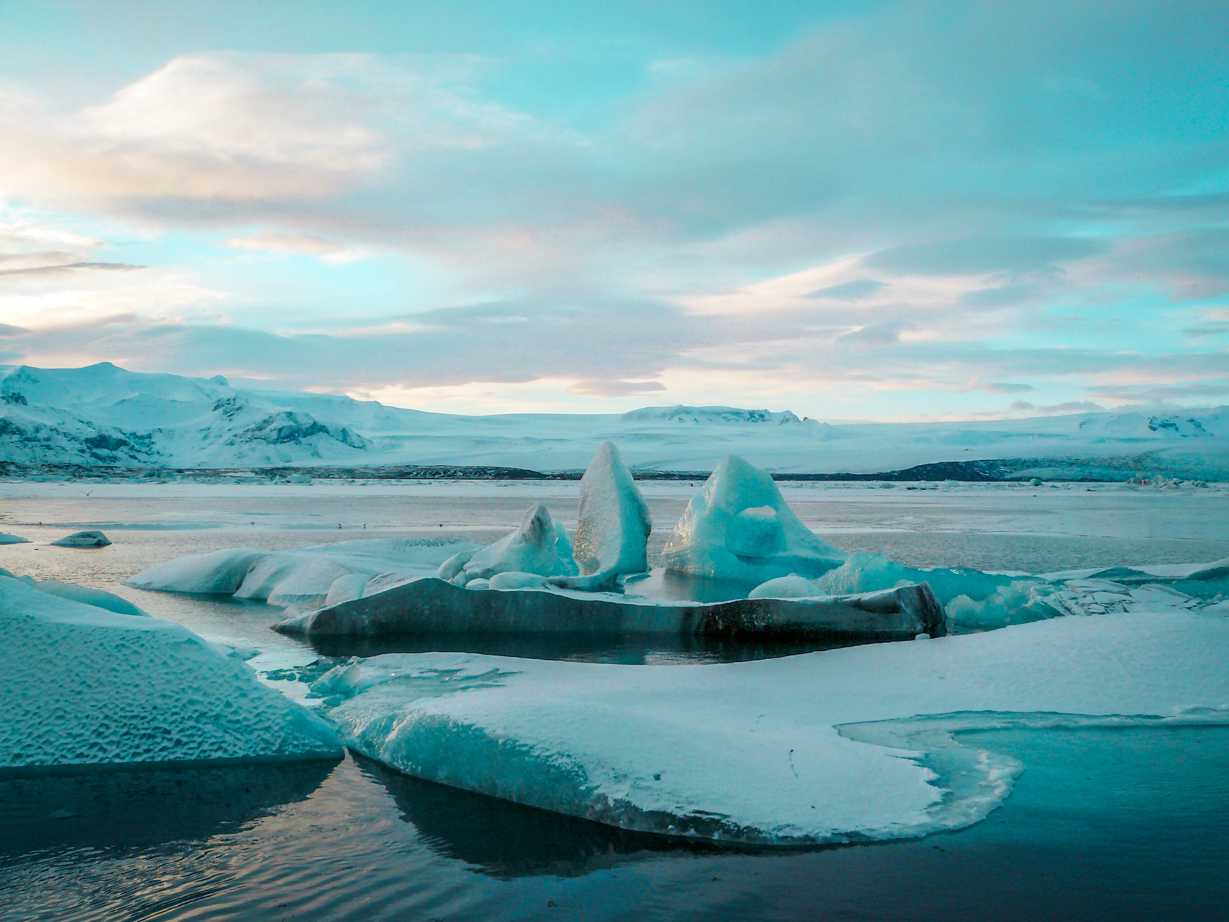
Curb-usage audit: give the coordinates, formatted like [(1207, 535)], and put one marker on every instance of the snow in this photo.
[(99, 598), (613, 524), (83, 539), (513, 579), (309, 577), (739, 527), (785, 587), (846, 745), (107, 415), (539, 546), (12, 539), (87, 686)]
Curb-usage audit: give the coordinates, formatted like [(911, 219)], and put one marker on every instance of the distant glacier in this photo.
[(104, 417)]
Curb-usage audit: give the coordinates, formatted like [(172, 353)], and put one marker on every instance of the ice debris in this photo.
[(83, 539), (739, 527), (839, 746), (538, 546), (88, 686)]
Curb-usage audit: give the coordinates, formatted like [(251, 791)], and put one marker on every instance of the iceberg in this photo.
[(613, 524), (847, 745), (539, 546), (433, 606), (739, 527), (84, 686), (12, 539), (83, 539)]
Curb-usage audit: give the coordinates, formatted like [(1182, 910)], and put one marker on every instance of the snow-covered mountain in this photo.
[(103, 415)]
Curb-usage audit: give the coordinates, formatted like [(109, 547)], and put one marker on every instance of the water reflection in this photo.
[(507, 840), (107, 808)]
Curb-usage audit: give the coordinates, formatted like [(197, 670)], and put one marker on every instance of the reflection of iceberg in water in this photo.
[(145, 807), (508, 840)]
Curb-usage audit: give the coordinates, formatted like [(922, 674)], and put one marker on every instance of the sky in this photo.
[(876, 210)]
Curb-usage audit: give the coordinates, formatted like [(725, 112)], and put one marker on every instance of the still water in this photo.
[(1103, 824)]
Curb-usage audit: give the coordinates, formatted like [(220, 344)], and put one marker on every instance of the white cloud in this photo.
[(297, 245), (243, 128)]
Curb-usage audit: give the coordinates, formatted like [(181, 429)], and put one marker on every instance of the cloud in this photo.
[(241, 128), (1014, 256), (1057, 409), (849, 291), (614, 388), (296, 244), (906, 200)]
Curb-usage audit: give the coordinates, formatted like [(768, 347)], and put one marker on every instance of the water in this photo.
[(1103, 824), (1112, 824)]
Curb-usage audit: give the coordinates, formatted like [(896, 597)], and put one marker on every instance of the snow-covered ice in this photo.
[(540, 545), (304, 577), (613, 524), (83, 539), (99, 598), (739, 527), (844, 745), (785, 587), (88, 686)]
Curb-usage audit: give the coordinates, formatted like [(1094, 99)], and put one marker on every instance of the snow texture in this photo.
[(83, 539), (538, 546), (107, 415), (841, 746), (739, 527), (310, 577), (85, 686), (785, 587), (613, 524)]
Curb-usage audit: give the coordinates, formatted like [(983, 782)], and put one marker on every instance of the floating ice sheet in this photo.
[(845, 745)]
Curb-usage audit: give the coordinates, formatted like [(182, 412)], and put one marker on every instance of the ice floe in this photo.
[(846, 745), (739, 527), (304, 577), (83, 539), (12, 539), (88, 686)]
